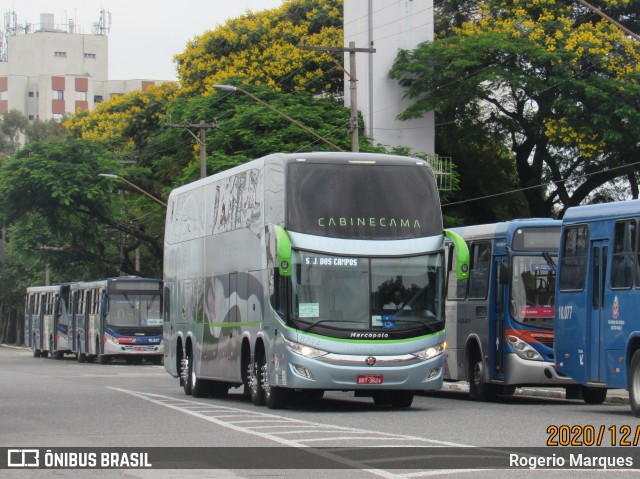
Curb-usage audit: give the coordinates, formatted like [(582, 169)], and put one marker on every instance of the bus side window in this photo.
[(573, 268), (622, 266), (479, 274), (277, 290)]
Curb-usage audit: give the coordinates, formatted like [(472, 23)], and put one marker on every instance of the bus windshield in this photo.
[(134, 310), (532, 290), (401, 295)]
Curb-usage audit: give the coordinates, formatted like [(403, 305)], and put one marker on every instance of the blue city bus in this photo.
[(499, 321), (598, 298)]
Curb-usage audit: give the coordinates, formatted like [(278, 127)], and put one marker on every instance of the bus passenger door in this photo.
[(501, 278), (596, 321)]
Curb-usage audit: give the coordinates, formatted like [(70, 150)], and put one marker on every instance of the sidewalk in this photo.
[(614, 396)]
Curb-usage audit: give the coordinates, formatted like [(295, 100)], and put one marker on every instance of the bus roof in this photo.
[(318, 156), (502, 228), (617, 209)]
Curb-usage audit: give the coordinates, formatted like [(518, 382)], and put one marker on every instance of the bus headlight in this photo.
[(303, 349), (523, 349), (431, 352)]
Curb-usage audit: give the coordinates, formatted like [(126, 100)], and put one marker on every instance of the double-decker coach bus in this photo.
[(308, 272), (598, 298), (500, 320), (46, 327), (116, 318)]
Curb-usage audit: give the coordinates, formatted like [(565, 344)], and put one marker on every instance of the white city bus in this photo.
[(46, 320), (307, 272)]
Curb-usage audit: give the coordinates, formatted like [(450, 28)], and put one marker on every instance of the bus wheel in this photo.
[(44, 354), (593, 395), (634, 384), (254, 378), (81, 357), (185, 375), (401, 398), (34, 350), (199, 387), (478, 388)]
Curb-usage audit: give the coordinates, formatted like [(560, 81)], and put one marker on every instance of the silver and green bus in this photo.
[(305, 273)]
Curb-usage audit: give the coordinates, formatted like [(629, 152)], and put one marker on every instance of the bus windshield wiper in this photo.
[(315, 323)]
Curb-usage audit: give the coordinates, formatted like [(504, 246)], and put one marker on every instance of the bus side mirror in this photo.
[(283, 251), (462, 254)]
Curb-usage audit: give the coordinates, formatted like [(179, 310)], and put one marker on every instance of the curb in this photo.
[(614, 396)]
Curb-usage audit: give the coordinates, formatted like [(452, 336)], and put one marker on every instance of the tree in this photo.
[(262, 48), (69, 221), (12, 127), (554, 82)]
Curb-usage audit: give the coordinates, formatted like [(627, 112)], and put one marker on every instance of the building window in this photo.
[(32, 117), (90, 56), (31, 94), (98, 99), (58, 94), (58, 116), (60, 54), (3, 95), (81, 96)]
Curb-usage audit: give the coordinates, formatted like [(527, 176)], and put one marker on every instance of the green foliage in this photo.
[(262, 48), (550, 87)]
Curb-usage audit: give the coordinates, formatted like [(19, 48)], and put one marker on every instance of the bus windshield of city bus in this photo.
[(402, 295), (532, 290), (133, 310)]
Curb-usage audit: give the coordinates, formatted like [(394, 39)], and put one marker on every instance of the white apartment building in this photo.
[(48, 71), (387, 26)]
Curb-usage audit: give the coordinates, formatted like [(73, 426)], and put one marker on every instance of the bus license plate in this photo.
[(139, 348), (370, 379)]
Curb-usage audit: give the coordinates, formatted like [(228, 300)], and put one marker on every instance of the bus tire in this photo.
[(44, 354), (593, 395), (479, 389), (276, 398), (633, 383), (401, 399), (102, 359), (81, 357), (34, 350), (199, 387), (254, 376)]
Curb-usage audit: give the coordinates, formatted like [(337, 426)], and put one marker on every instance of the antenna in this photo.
[(102, 26)]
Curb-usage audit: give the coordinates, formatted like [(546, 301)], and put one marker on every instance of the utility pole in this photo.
[(353, 87), (201, 139)]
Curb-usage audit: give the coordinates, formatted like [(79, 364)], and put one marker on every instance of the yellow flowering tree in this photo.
[(262, 48), (557, 83)]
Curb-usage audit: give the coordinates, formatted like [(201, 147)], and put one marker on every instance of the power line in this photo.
[(584, 175)]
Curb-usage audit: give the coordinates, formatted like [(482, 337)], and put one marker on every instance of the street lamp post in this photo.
[(135, 187), (275, 110)]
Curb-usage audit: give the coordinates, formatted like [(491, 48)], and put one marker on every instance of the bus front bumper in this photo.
[(352, 372), (521, 372)]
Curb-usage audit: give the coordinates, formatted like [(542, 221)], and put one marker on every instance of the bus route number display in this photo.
[(330, 261)]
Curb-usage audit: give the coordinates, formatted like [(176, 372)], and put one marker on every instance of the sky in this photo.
[(145, 34)]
